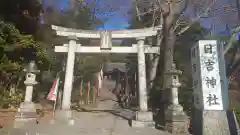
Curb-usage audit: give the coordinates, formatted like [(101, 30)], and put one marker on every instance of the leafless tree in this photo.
[(176, 17), (168, 14)]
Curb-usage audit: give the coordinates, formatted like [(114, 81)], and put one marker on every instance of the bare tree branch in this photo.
[(138, 12), (176, 8), (231, 40), (144, 13), (196, 19)]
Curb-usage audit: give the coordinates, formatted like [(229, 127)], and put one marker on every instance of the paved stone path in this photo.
[(102, 120)]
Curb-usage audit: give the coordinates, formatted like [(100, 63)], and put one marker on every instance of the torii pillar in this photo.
[(143, 117), (66, 113)]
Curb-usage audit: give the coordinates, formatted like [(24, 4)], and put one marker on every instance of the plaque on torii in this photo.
[(143, 115), (106, 40)]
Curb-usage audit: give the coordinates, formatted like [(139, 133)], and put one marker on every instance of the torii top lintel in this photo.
[(115, 34)]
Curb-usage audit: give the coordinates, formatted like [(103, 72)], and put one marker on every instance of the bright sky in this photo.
[(117, 21), (120, 19)]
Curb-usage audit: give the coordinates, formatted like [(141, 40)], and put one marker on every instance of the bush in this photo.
[(185, 99), (7, 101), (237, 113)]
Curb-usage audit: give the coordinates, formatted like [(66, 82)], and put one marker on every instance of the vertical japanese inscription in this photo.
[(194, 68), (206, 75), (210, 76), (212, 100), (195, 84), (209, 64), (193, 53), (211, 82), (208, 48), (197, 96)]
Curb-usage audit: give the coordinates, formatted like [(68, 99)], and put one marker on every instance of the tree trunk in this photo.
[(168, 61), (238, 9), (12, 90), (154, 61), (168, 56), (95, 94), (88, 92), (118, 82), (81, 92), (166, 39), (59, 99), (152, 70), (126, 84)]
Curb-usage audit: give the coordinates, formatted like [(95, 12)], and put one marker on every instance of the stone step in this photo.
[(24, 115)]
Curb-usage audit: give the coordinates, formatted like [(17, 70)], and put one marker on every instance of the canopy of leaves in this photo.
[(23, 14), (16, 50), (78, 16)]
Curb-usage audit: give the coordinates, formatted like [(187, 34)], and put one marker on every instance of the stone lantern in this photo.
[(175, 84), (31, 71), (27, 108), (176, 119)]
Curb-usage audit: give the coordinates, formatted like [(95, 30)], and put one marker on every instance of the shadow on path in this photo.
[(123, 113)]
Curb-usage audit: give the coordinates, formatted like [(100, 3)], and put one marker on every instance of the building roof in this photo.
[(111, 66)]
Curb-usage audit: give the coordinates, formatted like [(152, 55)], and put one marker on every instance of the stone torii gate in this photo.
[(143, 116)]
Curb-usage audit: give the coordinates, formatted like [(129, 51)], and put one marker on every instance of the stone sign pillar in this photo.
[(176, 119), (143, 116), (210, 89), (27, 110)]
